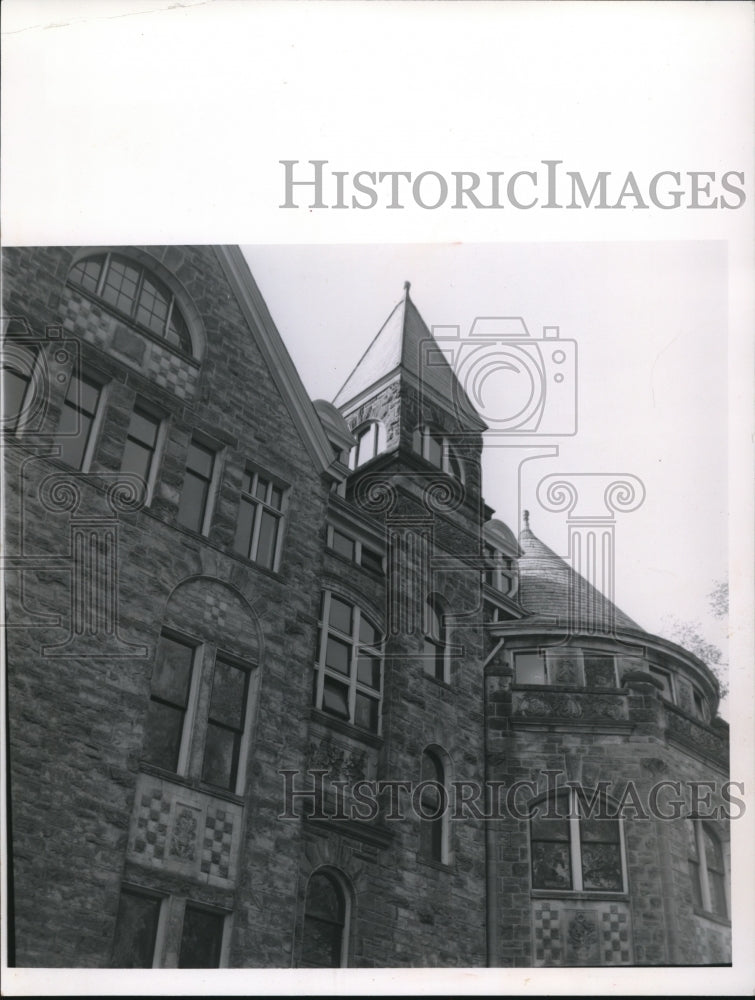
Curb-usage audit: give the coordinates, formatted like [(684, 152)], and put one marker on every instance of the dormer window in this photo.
[(437, 449), (132, 290)]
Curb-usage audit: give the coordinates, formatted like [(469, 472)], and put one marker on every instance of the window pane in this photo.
[(136, 459), (550, 829), (171, 674), (551, 866), (200, 459), (530, 668), (694, 881), (713, 856), (87, 273), (261, 490), (72, 449), (321, 946), (15, 385), (372, 560), (143, 428), (244, 527), (152, 309), (368, 671), (717, 893), (599, 831), (431, 838), (246, 482), (663, 677), (601, 867), (599, 671), (276, 497), (564, 670), (368, 634), (228, 694), (135, 931), (88, 394), (162, 739), (267, 539), (367, 444), (366, 712), (342, 545), (191, 506), (120, 285), (221, 751), (335, 698), (434, 625), (201, 939), (324, 899), (434, 448), (340, 615), (337, 655)]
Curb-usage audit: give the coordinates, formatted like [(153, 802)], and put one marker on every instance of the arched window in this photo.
[(707, 868), (433, 808), (435, 651), (434, 447), (369, 443), (131, 289), (349, 669), (572, 850), (324, 943)]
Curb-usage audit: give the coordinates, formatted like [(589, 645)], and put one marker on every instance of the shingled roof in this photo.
[(551, 591), (404, 343)]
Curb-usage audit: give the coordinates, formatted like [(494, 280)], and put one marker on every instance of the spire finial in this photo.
[(407, 286), (527, 519)]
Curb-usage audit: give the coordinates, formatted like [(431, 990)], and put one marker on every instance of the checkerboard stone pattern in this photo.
[(92, 322), (152, 824), (218, 836), (185, 831), (615, 944), (548, 945), (552, 921)]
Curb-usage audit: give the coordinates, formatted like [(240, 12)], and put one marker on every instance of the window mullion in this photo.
[(575, 846), (254, 541), (190, 715), (103, 275)]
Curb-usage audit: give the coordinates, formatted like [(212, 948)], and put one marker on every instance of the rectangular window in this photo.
[(225, 724), (136, 930), (259, 528), (77, 420), (529, 668), (665, 679), (354, 550), (349, 671), (169, 702), (600, 671), (141, 445), (194, 505), (201, 938)]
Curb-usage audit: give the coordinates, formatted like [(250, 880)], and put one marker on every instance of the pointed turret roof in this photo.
[(404, 343), (550, 589)]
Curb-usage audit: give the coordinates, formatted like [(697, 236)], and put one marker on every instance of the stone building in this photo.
[(282, 692)]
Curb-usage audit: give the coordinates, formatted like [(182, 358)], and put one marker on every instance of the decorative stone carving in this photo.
[(582, 938), (343, 763), (184, 839), (696, 734), (570, 706)]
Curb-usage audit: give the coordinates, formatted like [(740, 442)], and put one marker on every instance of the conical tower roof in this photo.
[(551, 590), (405, 344)]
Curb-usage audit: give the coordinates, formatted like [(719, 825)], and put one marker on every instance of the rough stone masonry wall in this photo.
[(76, 725)]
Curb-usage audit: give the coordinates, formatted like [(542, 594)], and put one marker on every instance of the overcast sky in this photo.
[(649, 321)]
